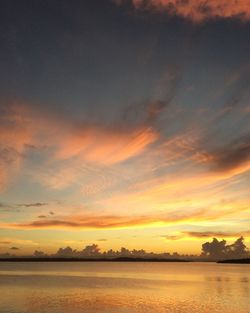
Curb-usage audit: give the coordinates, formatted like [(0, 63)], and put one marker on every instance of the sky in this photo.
[(124, 124)]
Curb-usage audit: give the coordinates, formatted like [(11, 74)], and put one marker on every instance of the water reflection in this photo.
[(123, 287)]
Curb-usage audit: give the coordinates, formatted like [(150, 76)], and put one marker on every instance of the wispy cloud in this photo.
[(105, 145), (198, 147), (23, 130), (14, 134)]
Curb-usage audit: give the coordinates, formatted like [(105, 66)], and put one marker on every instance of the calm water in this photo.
[(124, 288)]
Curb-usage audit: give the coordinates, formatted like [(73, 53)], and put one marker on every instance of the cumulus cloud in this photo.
[(214, 250), (220, 250), (94, 252), (89, 251), (39, 254), (197, 10)]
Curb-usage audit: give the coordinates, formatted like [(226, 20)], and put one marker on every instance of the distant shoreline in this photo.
[(235, 261), (121, 259)]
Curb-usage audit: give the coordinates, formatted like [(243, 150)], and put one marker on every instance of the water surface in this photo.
[(124, 287)]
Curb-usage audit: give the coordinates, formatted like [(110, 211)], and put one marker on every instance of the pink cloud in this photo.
[(198, 10), (22, 129), (105, 145)]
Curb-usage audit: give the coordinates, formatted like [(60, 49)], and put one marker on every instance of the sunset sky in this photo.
[(124, 123)]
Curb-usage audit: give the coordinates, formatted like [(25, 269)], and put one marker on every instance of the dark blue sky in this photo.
[(92, 55)]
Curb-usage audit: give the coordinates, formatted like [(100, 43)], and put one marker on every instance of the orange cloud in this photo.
[(198, 10), (118, 222), (105, 145), (22, 130)]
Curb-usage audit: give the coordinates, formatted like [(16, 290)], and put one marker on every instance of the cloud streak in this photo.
[(211, 234), (119, 222), (105, 145), (36, 204)]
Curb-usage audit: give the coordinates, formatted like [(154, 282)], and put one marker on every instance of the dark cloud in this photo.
[(214, 153), (102, 239), (209, 234), (93, 251), (14, 248), (5, 207), (234, 155), (36, 204), (42, 216), (172, 237), (148, 111)]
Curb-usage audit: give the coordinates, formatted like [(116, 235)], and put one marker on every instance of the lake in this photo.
[(124, 287)]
